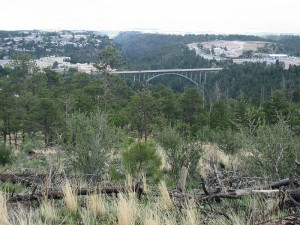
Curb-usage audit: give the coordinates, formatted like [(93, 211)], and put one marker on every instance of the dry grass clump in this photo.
[(165, 199), (152, 218), (3, 210), (169, 221), (70, 197), (127, 210), (129, 182), (192, 217), (165, 165), (212, 156), (144, 180), (86, 217), (48, 211), (247, 211), (25, 216), (96, 205)]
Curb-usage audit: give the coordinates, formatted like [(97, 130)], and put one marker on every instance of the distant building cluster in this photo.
[(62, 64), (57, 50), (29, 41)]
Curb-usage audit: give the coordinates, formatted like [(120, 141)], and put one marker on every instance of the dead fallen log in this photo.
[(284, 183), (24, 179), (38, 196), (281, 183), (29, 180), (294, 194), (287, 220), (263, 193)]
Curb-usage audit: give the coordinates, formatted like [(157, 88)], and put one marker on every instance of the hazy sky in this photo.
[(214, 16)]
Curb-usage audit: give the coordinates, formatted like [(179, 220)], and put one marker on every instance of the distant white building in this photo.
[(278, 56)]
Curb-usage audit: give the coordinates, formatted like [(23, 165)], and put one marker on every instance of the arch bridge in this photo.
[(197, 76)]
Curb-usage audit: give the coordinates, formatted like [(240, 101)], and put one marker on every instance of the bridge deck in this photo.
[(167, 71)]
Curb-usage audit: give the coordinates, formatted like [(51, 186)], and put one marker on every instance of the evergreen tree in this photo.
[(143, 111), (192, 110), (219, 117)]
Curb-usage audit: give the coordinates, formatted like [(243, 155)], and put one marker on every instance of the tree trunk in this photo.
[(105, 89), (9, 138), (284, 182), (23, 137), (46, 132), (4, 137), (16, 138)]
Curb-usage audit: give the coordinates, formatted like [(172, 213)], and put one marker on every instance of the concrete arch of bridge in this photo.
[(177, 74)]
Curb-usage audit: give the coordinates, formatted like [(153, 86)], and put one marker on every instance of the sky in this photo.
[(168, 16)]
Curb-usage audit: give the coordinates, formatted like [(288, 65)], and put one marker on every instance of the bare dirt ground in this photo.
[(234, 48)]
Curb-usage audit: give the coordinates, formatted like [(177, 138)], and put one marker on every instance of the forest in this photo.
[(80, 148)]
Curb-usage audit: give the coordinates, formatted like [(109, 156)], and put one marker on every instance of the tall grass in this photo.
[(212, 155), (96, 205), (4, 217), (144, 182), (70, 197), (48, 211), (129, 182), (169, 220), (86, 217), (25, 217), (191, 217), (165, 199), (152, 218), (127, 210)]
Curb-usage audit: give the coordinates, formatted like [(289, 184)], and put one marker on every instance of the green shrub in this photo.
[(180, 152), (90, 140), (271, 150), (6, 155), (172, 143), (225, 139), (142, 158)]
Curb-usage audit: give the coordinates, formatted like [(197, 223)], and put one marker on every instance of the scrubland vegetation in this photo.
[(98, 149)]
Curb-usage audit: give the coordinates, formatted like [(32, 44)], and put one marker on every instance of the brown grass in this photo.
[(48, 210), (152, 218), (86, 217), (144, 180), (3, 210), (165, 199), (25, 217), (165, 165), (127, 209), (129, 181), (191, 217), (212, 155), (96, 205), (70, 197)]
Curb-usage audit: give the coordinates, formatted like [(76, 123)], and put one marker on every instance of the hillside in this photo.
[(95, 148)]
